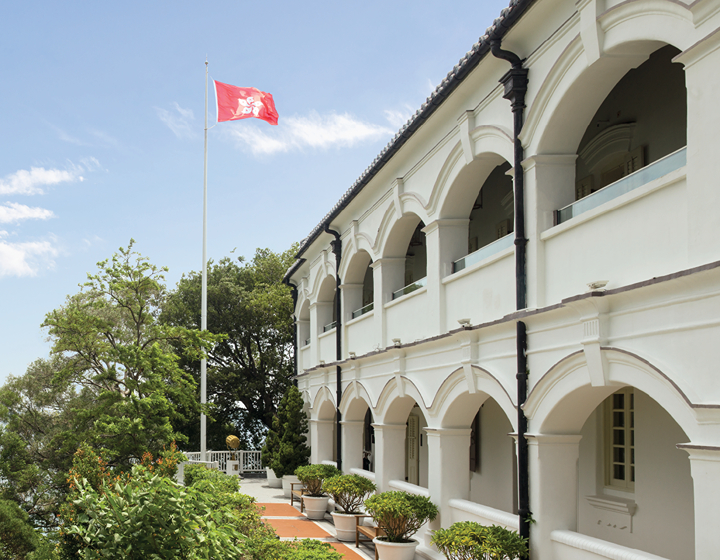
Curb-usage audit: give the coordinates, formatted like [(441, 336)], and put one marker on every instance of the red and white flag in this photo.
[(235, 103)]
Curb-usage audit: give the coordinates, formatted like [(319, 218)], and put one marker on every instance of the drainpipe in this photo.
[(336, 245), (515, 83)]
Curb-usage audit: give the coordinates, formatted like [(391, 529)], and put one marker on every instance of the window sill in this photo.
[(614, 504)]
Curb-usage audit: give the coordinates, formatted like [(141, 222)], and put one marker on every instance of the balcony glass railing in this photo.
[(330, 326), (306, 342), (358, 312), (484, 252), (410, 288), (655, 170)]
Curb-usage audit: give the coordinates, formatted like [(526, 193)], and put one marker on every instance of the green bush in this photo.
[(400, 514), (348, 491), (194, 474), (150, 516), (467, 540), (286, 444), (312, 477)]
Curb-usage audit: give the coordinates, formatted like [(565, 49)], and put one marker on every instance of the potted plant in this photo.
[(467, 540), (285, 446), (349, 492), (399, 515), (314, 499)]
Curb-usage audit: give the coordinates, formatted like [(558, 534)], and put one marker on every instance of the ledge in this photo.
[(500, 517), (598, 548), (611, 503), (360, 318), (480, 264), (409, 488), (393, 302)]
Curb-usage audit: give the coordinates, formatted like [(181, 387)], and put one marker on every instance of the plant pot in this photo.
[(394, 550), (286, 480), (344, 525), (272, 480), (315, 507)]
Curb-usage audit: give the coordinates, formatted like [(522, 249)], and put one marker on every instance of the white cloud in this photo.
[(26, 259), (12, 212), (313, 131), (179, 122), (398, 117), (33, 181)]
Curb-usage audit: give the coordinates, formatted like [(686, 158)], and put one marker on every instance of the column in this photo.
[(352, 447), (549, 186), (448, 470), (447, 241), (322, 438), (351, 295), (553, 488), (705, 471), (389, 454), (388, 275), (313, 335)]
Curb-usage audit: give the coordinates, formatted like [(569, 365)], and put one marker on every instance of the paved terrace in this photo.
[(290, 524)]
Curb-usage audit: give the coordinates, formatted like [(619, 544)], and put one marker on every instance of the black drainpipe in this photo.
[(515, 82), (336, 245)]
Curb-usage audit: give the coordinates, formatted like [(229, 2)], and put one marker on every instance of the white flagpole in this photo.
[(203, 314)]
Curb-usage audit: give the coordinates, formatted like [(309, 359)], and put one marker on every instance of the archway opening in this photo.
[(358, 286), (416, 448)]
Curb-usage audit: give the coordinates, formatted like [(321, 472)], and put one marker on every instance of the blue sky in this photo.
[(102, 129)]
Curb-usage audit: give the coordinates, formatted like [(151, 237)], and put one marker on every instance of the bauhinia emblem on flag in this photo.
[(235, 103)]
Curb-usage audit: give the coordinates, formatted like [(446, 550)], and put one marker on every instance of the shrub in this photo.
[(286, 444), (194, 474), (17, 537), (400, 514), (348, 491), (467, 540), (312, 477)]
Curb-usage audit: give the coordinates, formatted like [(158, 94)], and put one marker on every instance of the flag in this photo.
[(234, 103)]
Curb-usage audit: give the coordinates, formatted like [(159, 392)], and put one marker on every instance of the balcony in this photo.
[(359, 312), (410, 288), (484, 252), (329, 326), (655, 170)]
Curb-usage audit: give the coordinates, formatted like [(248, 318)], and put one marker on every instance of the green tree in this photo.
[(286, 444), (248, 371), (17, 537)]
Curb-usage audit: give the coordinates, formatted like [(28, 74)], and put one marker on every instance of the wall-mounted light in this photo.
[(322, 362), (396, 341), (352, 355), (598, 285), (464, 323)]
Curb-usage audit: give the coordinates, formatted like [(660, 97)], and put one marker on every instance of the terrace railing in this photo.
[(250, 461)]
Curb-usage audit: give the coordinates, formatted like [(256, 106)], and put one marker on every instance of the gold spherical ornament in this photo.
[(233, 442)]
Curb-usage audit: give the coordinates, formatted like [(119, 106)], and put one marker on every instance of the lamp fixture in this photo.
[(396, 341), (465, 323)]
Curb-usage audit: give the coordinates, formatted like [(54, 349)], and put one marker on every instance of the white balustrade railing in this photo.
[(250, 461)]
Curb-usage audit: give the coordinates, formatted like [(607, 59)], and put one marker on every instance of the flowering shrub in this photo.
[(348, 491), (400, 514), (312, 477), (467, 540)]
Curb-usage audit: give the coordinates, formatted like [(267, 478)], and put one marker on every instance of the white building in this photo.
[(621, 185)]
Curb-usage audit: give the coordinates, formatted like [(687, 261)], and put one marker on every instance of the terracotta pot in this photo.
[(315, 507), (286, 480), (395, 551), (272, 480), (344, 525)]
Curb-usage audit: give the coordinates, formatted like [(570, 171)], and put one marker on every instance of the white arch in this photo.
[(563, 398), (396, 400), (323, 407), (355, 400)]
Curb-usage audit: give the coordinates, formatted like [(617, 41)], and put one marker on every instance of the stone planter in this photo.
[(286, 480), (395, 551), (344, 525), (272, 480), (315, 507)]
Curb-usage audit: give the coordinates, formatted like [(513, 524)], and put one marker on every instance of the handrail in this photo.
[(642, 176), (330, 326), (365, 309), (602, 549), (488, 513), (410, 288), (409, 488), (362, 472), (306, 342), (484, 252)]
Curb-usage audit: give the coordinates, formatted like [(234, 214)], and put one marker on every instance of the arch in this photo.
[(561, 401), (396, 400), (355, 267), (455, 406), (398, 236), (355, 401), (303, 308), (323, 407), (632, 31), (326, 289)]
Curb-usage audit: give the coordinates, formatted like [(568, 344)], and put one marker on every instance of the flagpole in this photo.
[(203, 314)]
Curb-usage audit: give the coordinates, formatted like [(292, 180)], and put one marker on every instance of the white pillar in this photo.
[(448, 469), (549, 186), (389, 454), (446, 241), (705, 471), (314, 343), (352, 446), (553, 488), (388, 275), (322, 438)]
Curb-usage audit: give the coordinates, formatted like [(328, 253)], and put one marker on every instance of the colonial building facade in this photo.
[(520, 298)]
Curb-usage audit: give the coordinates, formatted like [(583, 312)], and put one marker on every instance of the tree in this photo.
[(285, 447), (17, 537), (116, 349), (250, 370)]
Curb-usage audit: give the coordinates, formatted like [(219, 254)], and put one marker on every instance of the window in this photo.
[(620, 440)]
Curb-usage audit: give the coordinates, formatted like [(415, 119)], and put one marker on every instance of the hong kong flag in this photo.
[(235, 103)]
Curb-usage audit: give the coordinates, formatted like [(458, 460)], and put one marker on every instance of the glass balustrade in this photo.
[(358, 312), (484, 252), (655, 170), (410, 288), (330, 326)]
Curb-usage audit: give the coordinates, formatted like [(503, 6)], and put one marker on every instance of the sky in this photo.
[(102, 129)]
